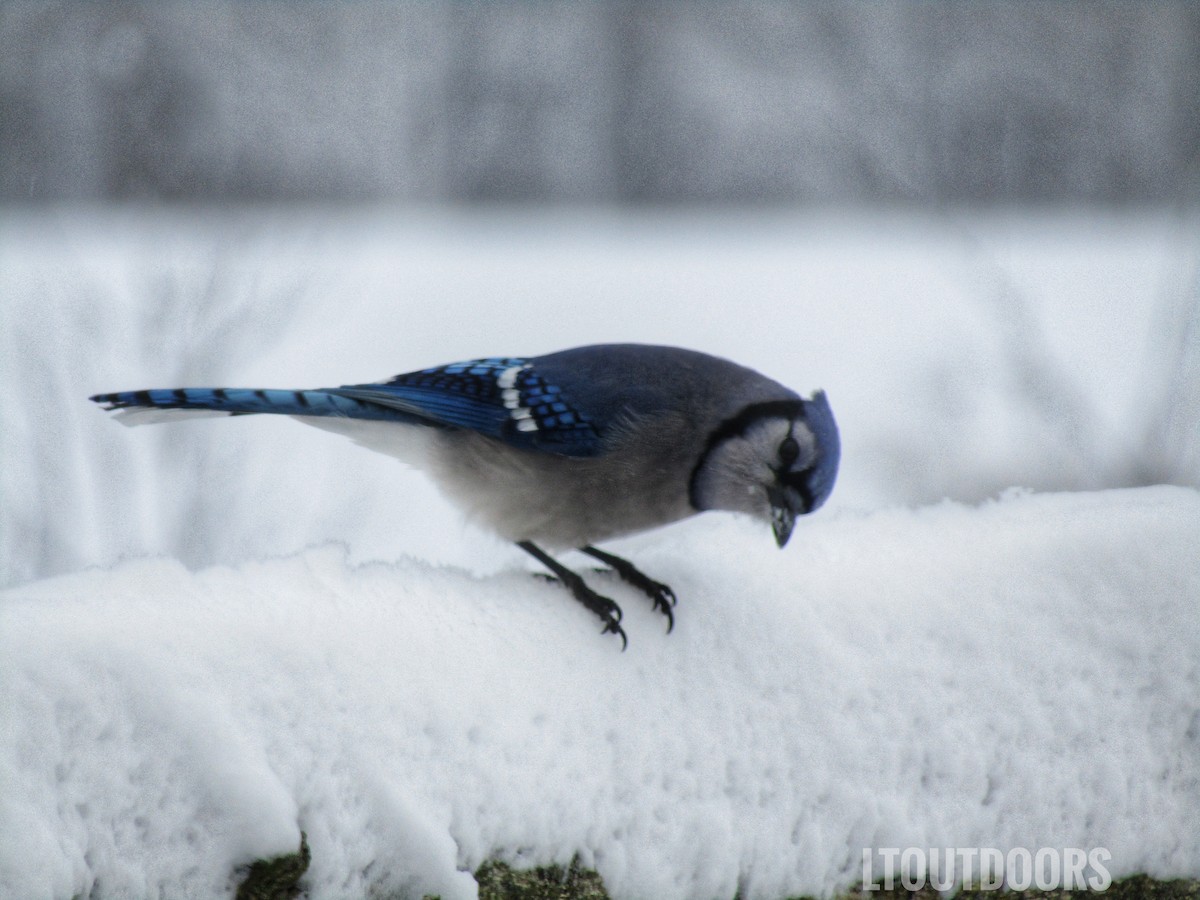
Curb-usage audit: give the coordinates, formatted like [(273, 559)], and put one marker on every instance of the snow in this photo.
[(217, 634), (1019, 673)]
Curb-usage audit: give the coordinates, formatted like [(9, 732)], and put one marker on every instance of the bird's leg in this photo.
[(607, 610), (663, 596)]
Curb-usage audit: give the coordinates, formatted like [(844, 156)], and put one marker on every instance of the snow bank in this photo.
[(1017, 674)]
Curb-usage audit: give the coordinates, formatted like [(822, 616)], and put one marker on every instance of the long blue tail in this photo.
[(139, 407)]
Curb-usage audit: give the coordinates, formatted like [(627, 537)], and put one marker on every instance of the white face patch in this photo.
[(742, 472)]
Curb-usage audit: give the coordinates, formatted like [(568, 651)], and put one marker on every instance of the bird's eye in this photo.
[(788, 451)]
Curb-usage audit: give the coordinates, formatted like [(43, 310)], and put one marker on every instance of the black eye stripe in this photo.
[(789, 450), (796, 480)]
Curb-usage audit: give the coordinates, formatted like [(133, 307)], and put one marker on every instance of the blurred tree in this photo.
[(910, 101)]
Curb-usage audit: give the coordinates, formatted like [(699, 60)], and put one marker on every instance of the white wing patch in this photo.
[(511, 395)]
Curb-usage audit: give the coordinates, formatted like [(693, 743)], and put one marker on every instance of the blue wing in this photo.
[(501, 397)]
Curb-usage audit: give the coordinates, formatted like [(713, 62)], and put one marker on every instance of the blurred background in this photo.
[(601, 102), (977, 225)]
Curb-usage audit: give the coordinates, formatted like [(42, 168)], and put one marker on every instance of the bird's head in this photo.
[(775, 460)]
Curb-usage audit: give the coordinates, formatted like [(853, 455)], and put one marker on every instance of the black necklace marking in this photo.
[(738, 425)]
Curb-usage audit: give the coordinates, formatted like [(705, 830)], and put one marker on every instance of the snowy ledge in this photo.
[(1020, 674)]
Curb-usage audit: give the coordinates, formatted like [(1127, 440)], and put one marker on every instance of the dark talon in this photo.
[(664, 601), (662, 597), (605, 609), (614, 628), (662, 607), (609, 608)]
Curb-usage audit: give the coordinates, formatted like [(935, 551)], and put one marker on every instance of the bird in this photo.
[(573, 448)]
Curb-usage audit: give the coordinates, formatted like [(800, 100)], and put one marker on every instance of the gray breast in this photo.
[(560, 502)]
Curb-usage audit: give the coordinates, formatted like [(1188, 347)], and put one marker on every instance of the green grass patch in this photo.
[(277, 878), (498, 881), (280, 878)]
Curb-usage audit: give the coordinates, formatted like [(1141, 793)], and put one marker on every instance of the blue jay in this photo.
[(572, 448)]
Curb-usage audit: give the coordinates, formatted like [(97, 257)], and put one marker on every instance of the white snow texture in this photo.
[(1019, 674)]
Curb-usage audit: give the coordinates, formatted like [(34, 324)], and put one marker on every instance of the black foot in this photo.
[(605, 609), (663, 596)]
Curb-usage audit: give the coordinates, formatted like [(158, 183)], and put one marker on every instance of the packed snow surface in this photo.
[(1020, 673)]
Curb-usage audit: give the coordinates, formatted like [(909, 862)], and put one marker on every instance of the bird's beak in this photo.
[(783, 518)]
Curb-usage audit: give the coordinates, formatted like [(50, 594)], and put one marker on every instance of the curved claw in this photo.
[(605, 607), (615, 611), (613, 627), (668, 593), (607, 610), (660, 603), (661, 595)]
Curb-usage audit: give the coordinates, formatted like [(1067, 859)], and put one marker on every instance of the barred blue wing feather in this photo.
[(501, 397), (142, 407)]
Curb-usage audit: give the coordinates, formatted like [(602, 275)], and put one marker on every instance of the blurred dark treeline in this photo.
[(922, 101)]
